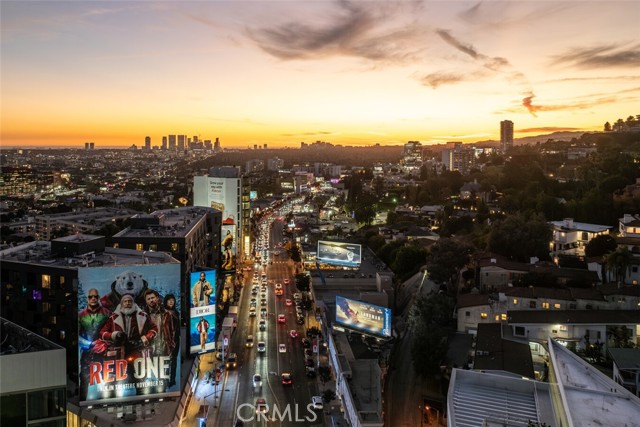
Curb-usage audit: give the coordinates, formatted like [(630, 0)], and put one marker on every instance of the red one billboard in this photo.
[(128, 332)]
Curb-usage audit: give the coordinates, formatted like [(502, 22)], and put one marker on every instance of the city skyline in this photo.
[(279, 73)]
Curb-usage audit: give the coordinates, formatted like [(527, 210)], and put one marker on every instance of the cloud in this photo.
[(436, 79), (602, 56), (548, 129), (355, 29), (320, 132)]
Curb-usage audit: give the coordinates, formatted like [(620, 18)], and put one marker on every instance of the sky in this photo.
[(283, 72)]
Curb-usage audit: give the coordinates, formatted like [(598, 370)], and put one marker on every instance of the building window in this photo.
[(467, 314), (556, 306), (116, 245), (174, 247), (139, 247), (483, 315), (46, 307), (515, 301), (519, 330), (532, 304), (563, 328), (153, 247), (46, 281), (554, 331), (497, 318), (545, 305), (572, 306), (503, 316)]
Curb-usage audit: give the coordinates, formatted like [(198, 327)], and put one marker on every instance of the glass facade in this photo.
[(42, 408)]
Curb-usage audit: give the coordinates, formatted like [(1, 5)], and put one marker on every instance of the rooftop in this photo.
[(16, 340), (589, 396), (165, 223), (586, 317)]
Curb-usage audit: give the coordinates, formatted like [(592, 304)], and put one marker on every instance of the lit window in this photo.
[(515, 301), (556, 306), (503, 316), (174, 247), (46, 281), (139, 247), (116, 245), (497, 318), (563, 328), (61, 280), (153, 247), (483, 315), (545, 305)]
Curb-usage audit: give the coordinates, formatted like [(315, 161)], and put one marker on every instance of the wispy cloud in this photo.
[(548, 129), (441, 78), (320, 132), (581, 103), (603, 56), (363, 30)]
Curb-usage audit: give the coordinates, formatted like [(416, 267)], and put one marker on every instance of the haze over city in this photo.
[(280, 72)]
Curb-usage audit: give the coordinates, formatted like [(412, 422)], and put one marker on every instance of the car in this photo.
[(282, 348), (232, 361), (253, 300), (252, 304), (297, 296), (282, 318), (252, 311), (308, 362), (261, 406), (286, 281), (316, 402), (254, 291), (308, 352), (293, 333), (306, 343), (311, 372), (263, 325), (262, 347), (257, 381), (263, 301), (249, 341), (286, 379), (288, 302), (300, 320), (263, 312), (279, 292), (278, 285)]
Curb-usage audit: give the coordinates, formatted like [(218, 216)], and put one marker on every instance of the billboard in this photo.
[(339, 253), (228, 244), (128, 332), (202, 311), (363, 316)]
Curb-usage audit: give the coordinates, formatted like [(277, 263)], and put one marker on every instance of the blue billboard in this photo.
[(339, 253), (363, 316), (202, 312)]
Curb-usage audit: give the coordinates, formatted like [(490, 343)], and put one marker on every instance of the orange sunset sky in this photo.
[(282, 72)]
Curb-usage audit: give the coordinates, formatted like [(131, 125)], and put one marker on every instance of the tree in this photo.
[(619, 261), (600, 246), (303, 282), (607, 127), (294, 253), (407, 261), (446, 258), (519, 237)]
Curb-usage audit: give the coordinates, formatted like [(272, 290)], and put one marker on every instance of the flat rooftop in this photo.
[(39, 253), (590, 396), (17, 340), (168, 223), (365, 389)]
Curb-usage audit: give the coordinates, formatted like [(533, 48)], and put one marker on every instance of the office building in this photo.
[(147, 143), (506, 135), (457, 157)]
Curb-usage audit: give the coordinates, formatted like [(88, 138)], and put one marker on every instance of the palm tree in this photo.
[(619, 261)]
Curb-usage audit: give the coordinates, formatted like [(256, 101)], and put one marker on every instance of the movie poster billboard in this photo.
[(339, 253), (228, 245), (202, 324), (363, 316), (128, 332)]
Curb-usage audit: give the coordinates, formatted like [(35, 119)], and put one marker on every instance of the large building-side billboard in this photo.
[(363, 316), (128, 332), (339, 253), (202, 325)]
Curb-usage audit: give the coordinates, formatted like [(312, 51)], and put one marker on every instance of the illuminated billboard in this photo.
[(128, 332), (202, 311), (253, 195), (339, 253), (363, 316)]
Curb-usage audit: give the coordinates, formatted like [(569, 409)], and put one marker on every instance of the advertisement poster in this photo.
[(202, 324), (339, 253), (362, 316), (128, 332)]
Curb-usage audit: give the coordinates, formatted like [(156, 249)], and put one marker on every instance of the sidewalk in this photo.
[(333, 416)]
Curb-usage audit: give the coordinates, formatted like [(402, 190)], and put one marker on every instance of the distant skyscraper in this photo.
[(147, 143), (216, 145), (172, 142), (181, 142), (506, 134), (164, 142)]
